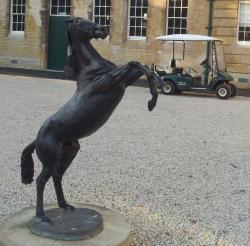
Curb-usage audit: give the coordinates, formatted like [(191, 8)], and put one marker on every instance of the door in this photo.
[(58, 39)]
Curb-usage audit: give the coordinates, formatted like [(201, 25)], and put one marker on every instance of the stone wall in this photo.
[(225, 26), (23, 51), (30, 51), (120, 49)]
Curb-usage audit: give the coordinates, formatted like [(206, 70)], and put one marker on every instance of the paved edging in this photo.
[(15, 231), (60, 75)]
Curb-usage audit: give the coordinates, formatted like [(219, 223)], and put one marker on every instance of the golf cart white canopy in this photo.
[(187, 37)]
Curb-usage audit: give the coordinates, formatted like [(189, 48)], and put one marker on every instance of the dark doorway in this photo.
[(58, 40)]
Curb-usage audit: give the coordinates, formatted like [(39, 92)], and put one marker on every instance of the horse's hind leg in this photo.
[(70, 150), (48, 150), (41, 182)]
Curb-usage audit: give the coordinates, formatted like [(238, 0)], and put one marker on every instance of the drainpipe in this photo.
[(210, 30), (210, 18)]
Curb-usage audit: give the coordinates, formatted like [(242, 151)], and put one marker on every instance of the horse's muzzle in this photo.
[(101, 32)]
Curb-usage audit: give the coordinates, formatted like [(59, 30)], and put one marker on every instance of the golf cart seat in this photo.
[(178, 66), (194, 73), (182, 68), (181, 64), (161, 71)]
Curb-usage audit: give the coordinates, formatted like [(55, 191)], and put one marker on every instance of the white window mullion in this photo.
[(181, 18), (56, 5), (105, 13), (243, 35), (175, 22), (136, 30), (101, 13), (174, 16), (17, 17)]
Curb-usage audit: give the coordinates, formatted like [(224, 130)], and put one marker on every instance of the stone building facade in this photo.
[(231, 21), (25, 41)]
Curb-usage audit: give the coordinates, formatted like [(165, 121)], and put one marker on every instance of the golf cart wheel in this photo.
[(233, 90), (223, 91), (168, 88)]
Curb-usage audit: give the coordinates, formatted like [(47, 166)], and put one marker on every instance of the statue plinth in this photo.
[(89, 225), (82, 223)]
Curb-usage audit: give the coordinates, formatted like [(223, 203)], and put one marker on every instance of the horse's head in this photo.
[(84, 30)]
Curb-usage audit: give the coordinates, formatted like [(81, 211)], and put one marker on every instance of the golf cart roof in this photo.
[(187, 37)]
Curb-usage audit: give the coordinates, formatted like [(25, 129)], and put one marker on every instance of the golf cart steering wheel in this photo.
[(191, 69), (206, 65)]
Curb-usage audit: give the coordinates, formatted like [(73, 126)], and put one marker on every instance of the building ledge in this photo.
[(50, 74)]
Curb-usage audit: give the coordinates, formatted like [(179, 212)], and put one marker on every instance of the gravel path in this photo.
[(180, 175)]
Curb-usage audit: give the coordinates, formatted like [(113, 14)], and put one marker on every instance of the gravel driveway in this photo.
[(180, 174)]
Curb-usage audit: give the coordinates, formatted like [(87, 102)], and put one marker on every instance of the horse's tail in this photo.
[(27, 164)]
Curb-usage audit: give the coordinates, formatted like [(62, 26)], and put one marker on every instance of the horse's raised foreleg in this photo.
[(70, 150), (127, 74), (132, 68), (133, 77)]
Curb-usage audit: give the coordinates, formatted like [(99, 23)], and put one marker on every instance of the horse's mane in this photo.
[(72, 60), (71, 57)]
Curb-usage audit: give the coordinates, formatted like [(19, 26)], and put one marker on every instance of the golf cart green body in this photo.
[(214, 79)]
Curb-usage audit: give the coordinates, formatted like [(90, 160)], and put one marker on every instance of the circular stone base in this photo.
[(15, 230), (82, 223)]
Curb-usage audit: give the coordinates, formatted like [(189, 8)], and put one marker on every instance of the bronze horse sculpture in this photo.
[(100, 88)]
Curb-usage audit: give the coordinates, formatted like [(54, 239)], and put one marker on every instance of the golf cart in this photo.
[(212, 79)]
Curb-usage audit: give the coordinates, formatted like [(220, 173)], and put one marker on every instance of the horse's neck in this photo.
[(86, 62), (85, 55)]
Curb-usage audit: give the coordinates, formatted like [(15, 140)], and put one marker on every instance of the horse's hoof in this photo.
[(70, 207), (151, 106), (45, 219), (67, 207)]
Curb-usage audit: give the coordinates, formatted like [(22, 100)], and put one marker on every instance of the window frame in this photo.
[(50, 8), (129, 17), (241, 43), (174, 17), (12, 32), (102, 16)]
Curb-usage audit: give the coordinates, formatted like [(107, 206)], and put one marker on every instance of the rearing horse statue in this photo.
[(100, 88)]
